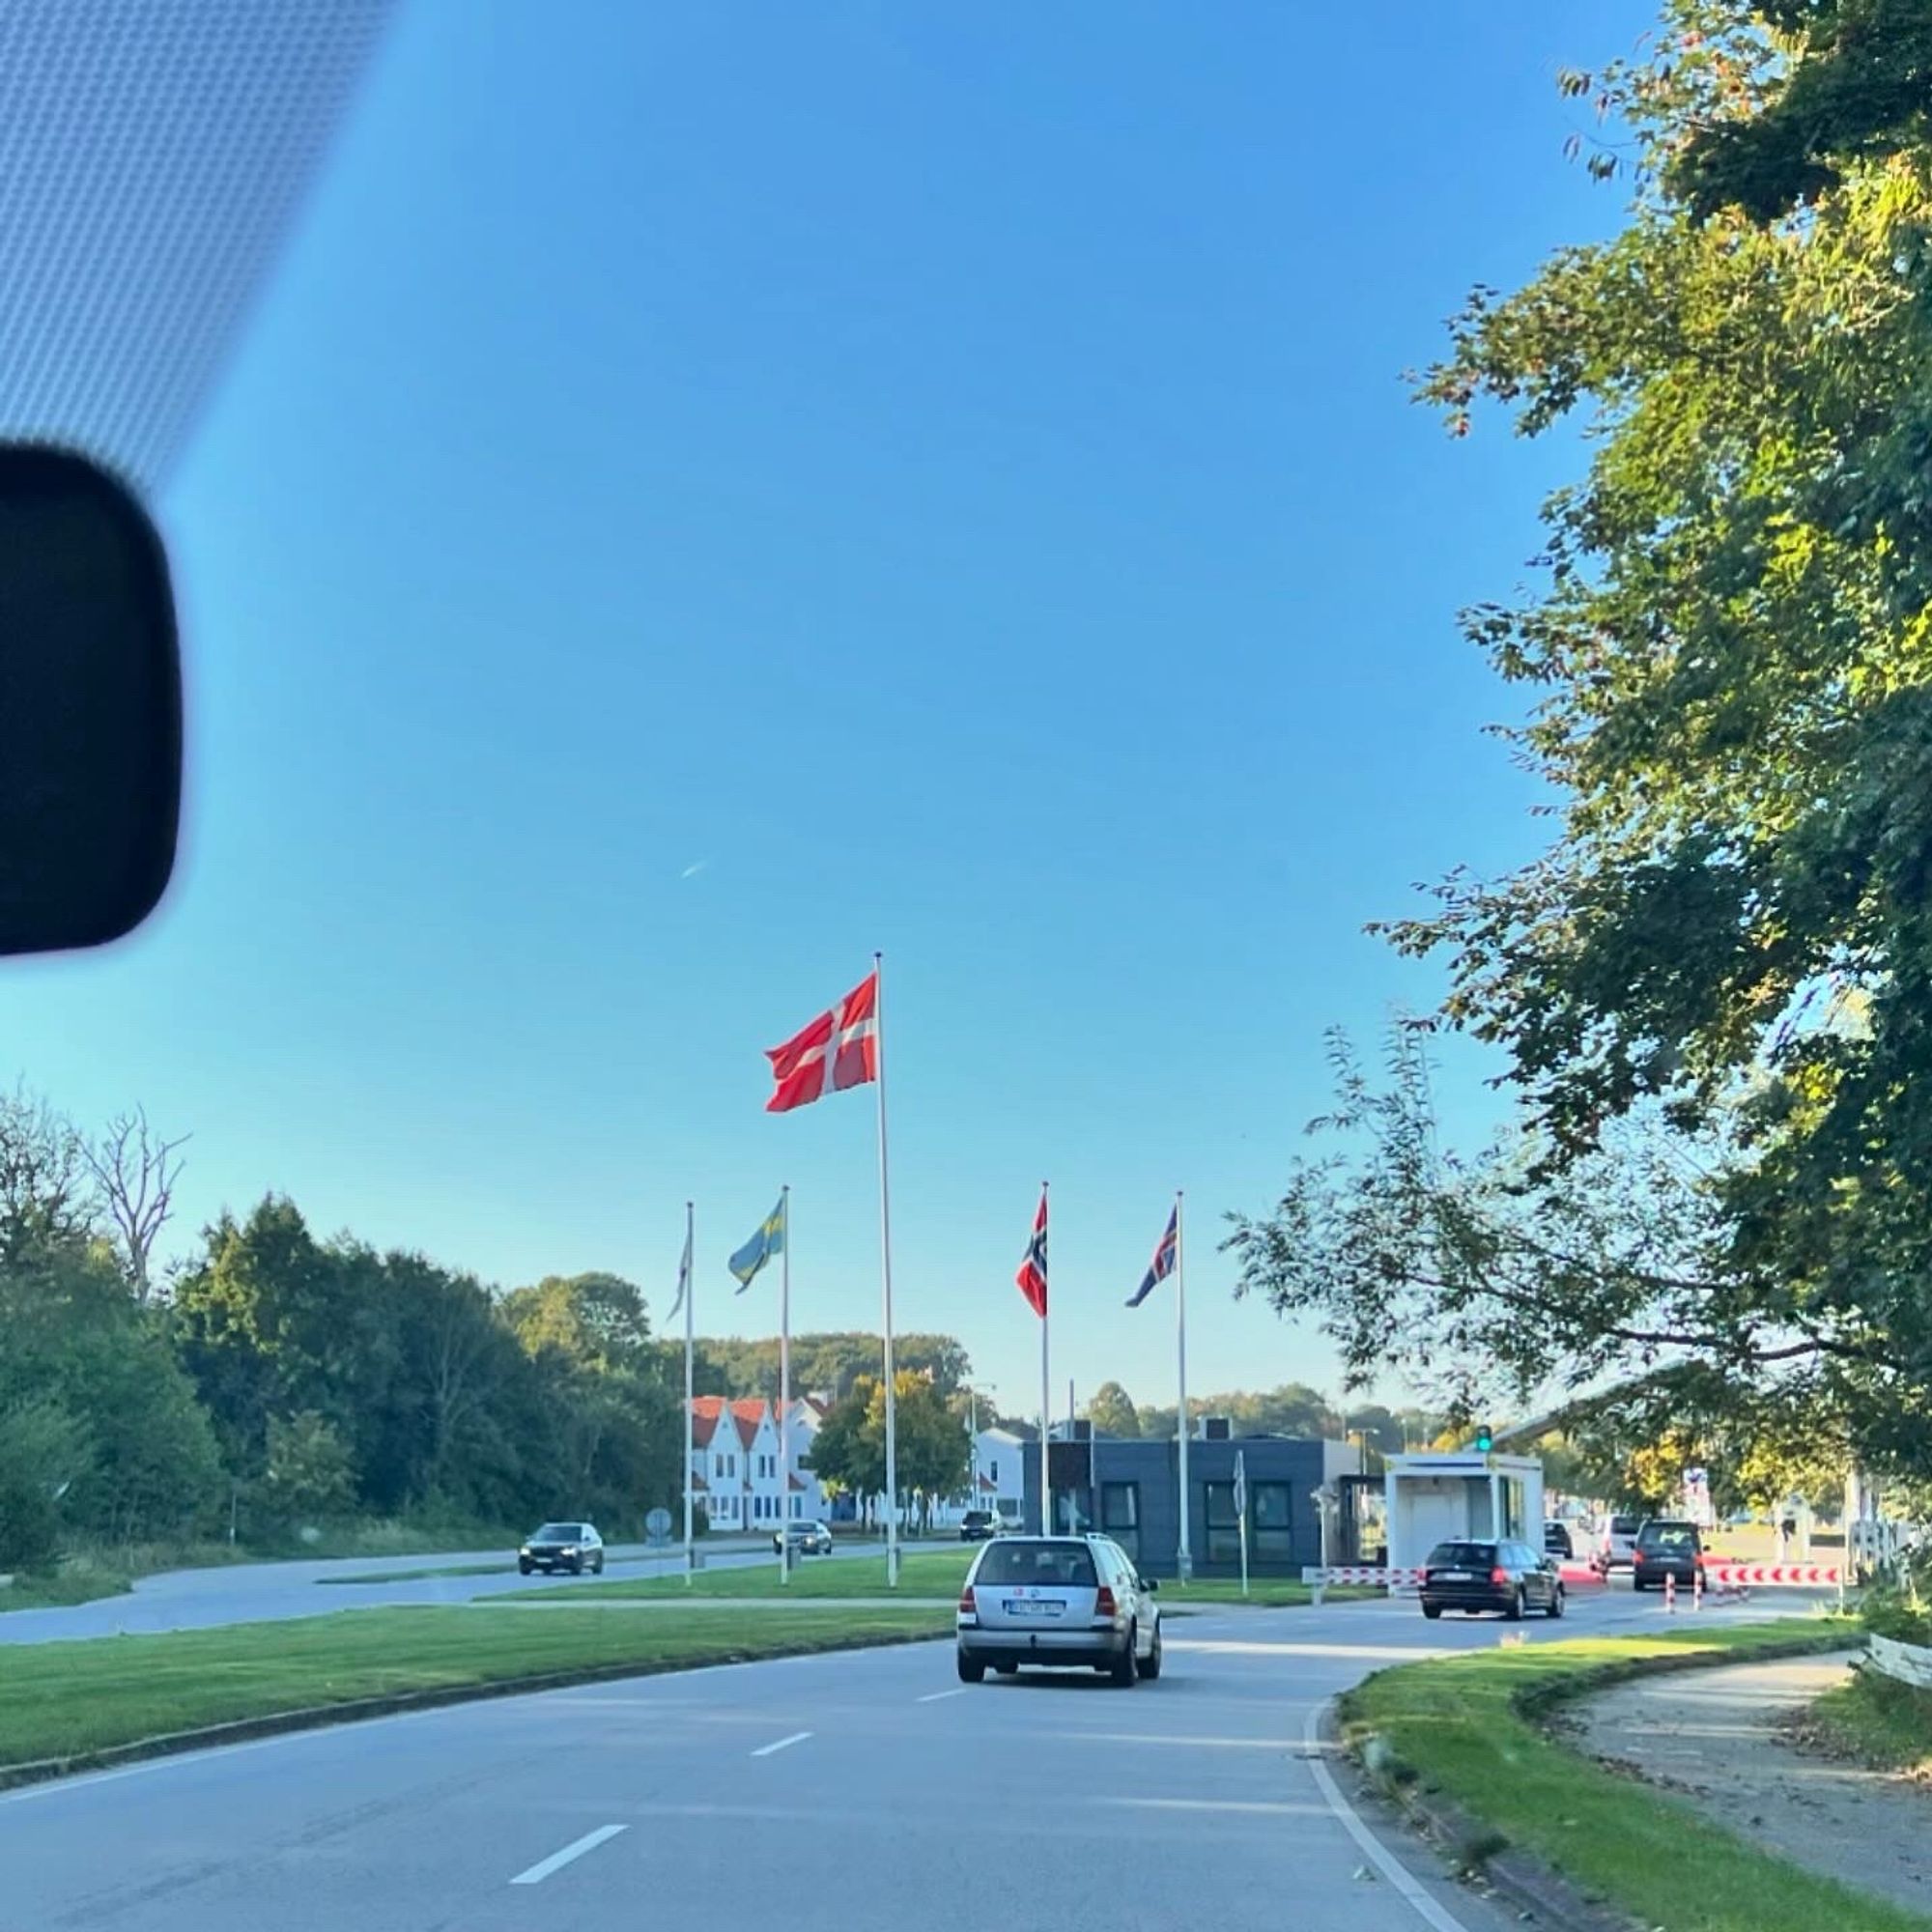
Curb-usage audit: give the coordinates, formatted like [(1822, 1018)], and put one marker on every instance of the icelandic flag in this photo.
[(1162, 1265)]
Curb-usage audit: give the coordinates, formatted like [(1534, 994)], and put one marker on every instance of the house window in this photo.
[(797, 1506), (1120, 1516), (993, 1471), (1223, 1528), (1271, 1536), (717, 1466)]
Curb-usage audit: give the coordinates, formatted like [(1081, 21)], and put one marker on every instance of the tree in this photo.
[(848, 1452), (135, 1171), (310, 1476), (1112, 1413), (933, 1451), (46, 1191), (1712, 992), (597, 1320)]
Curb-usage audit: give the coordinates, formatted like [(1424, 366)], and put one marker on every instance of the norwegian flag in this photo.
[(838, 1049), (1162, 1265), (1031, 1276)]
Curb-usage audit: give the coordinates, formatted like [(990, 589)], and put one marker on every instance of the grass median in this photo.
[(1875, 1721), (1464, 1727), (926, 1572), (70, 1700)]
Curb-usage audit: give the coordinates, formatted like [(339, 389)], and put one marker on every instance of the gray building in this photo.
[(1131, 1491)]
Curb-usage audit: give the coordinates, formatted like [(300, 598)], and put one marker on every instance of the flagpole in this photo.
[(1045, 1407), (1183, 1556), (785, 1390), (690, 1289), (886, 1285)]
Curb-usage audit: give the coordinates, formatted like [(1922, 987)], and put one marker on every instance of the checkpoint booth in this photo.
[(1434, 1496)]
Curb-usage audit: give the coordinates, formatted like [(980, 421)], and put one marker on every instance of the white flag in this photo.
[(683, 1275)]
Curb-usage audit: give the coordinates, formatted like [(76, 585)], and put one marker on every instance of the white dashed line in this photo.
[(556, 1861), (940, 1696), (783, 1744)]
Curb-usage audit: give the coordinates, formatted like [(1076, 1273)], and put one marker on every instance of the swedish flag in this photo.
[(769, 1240)]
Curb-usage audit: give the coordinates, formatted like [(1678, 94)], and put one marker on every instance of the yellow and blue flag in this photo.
[(769, 1240)]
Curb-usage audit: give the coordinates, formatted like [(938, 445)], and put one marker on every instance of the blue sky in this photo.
[(944, 475)]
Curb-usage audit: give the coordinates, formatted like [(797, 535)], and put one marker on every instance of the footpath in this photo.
[(1716, 1736)]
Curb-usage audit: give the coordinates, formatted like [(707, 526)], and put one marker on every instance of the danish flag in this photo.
[(838, 1049)]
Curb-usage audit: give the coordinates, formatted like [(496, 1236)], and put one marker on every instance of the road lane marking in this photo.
[(783, 1744), (1161, 1738), (1237, 1805), (1378, 1854), (556, 1861), (940, 1696)]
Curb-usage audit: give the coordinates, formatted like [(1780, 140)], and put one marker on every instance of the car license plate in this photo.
[(1036, 1606), (1451, 1576)]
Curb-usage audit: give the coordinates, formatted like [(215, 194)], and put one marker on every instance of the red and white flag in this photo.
[(838, 1049), (1031, 1276)]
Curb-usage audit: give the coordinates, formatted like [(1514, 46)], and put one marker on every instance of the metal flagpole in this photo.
[(1183, 1556), (785, 1389), (1241, 1511), (886, 1282), (690, 1288), (1045, 1408)]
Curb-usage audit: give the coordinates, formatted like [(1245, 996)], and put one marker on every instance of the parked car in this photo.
[(575, 1547), (1665, 1547), (976, 1525), (1065, 1601), (1488, 1574), (1615, 1543), (1556, 1539), (808, 1539)]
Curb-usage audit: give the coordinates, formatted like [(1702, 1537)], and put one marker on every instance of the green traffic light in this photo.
[(1485, 1440)]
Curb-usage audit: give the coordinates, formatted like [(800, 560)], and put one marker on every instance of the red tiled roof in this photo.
[(705, 1413), (986, 1482), (799, 1483), (748, 1414)]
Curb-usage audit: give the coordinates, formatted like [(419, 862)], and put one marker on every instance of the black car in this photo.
[(808, 1539), (575, 1547), (1484, 1574), (976, 1525), (1556, 1539), (1665, 1547)]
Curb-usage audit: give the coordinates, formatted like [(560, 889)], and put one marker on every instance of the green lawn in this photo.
[(1877, 1721), (925, 1573), (77, 1582), (498, 1569), (1460, 1726), (61, 1699)]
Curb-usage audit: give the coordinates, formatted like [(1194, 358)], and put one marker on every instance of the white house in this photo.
[(998, 1472), (735, 1450)]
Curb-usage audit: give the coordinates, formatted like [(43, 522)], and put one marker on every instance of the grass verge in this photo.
[(496, 1569), (926, 1572), (1464, 1727), (68, 1702), (1874, 1721)]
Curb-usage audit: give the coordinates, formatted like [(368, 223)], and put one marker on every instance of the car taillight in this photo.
[(1638, 1556), (968, 1604), (1499, 1575), (1104, 1605)]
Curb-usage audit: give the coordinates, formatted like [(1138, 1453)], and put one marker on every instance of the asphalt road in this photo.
[(248, 1593), (864, 1792)]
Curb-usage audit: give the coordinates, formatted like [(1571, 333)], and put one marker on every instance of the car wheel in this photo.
[(577, 1568), (1556, 1602), (1127, 1668), (1150, 1662), (1515, 1611), (597, 1568), (1432, 1611), (971, 1671), (523, 1568)]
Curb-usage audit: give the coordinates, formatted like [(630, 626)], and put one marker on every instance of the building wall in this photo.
[(1284, 1532)]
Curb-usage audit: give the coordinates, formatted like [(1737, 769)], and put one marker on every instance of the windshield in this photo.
[(1668, 1536), (558, 1532), (1014, 1562), (1463, 1555)]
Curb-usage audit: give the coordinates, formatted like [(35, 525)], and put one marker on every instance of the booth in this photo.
[(1435, 1497)]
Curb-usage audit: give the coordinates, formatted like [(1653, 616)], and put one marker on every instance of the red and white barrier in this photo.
[(1772, 1576), (1361, 1576)]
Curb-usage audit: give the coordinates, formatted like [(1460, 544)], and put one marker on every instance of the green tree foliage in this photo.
[(934, 1451), (848, 1453), (1112, 1412), (310, 1476), (830, 1363), (1712, 992)]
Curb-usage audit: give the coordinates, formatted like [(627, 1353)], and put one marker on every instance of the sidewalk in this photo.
[(1714, 1737)]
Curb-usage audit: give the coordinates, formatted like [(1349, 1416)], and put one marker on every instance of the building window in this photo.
[(1120, 1516), (1224, 1527), (1270, 1537), (796, 1505), (993, 1471)]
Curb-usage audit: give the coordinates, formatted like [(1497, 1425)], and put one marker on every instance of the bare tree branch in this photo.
[(136, 1169)]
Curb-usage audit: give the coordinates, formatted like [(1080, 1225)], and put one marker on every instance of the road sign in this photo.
[(657, 1528)]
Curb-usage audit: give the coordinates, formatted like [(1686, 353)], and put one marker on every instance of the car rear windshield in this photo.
[(1071, 1563), (1623, 1525), (1669, 1536), (1470, 1555), (558, 1532)]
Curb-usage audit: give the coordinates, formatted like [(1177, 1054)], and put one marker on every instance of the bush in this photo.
[(41, 1448)]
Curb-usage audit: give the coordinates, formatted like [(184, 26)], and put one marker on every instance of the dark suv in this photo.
[(1665, 1547), (1486, 1575), (976, 1525)]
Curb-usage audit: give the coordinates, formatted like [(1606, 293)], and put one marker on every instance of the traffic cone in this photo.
[(1698, 1589), (1669, 1594)]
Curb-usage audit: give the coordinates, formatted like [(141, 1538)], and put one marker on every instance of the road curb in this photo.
[(401, 1703), (1526, 1883)]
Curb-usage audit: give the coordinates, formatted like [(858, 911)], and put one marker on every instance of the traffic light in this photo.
[(1486, 1438)]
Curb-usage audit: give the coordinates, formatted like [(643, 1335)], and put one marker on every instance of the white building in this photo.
[(998, 1472), (734, 1463)]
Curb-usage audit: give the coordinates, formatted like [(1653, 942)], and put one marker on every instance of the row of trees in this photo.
[(1712, 995), (1293, 1408), (933, 1450)]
